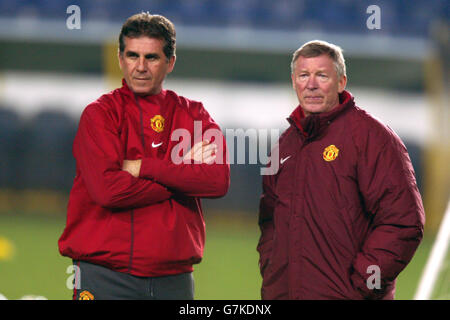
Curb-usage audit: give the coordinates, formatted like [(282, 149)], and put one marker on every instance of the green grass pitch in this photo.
[(229, 270)]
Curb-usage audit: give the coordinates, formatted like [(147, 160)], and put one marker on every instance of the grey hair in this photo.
[(316, 48)]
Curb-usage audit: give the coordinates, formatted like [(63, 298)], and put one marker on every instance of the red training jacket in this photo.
[(342, 217), (147, 226)]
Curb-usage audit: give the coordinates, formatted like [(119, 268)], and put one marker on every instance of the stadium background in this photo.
[(234, 56)]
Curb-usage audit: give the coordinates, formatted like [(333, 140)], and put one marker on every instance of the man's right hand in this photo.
[(202, 152)]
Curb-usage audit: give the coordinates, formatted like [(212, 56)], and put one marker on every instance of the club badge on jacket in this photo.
[(157, 123), (330, 153), (86, 295)]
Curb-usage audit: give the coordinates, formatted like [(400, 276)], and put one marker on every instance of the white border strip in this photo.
[(434, 262)]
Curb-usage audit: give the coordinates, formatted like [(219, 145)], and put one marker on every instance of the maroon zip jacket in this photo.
[(147, 226), (342, 209)]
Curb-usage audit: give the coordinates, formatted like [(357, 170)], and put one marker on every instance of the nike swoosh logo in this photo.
[(284, 159), (156, 145)]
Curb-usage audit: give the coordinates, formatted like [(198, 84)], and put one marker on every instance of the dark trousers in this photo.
[(99, 283)]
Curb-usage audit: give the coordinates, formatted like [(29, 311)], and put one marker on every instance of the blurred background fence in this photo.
[(233, 56)]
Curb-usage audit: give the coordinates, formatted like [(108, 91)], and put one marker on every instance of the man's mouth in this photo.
[(314, 98)]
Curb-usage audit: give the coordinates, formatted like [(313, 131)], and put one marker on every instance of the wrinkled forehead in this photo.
[(322, 62), (143, 44)]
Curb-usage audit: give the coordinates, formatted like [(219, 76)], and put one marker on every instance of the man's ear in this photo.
[(342, 83), (120, 57), (171, 63)]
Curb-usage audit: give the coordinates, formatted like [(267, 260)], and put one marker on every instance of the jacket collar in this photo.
[(167, 109), (126, 89), (314, 125)]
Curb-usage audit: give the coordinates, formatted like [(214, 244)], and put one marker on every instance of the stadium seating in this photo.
[(47, 161), (10, 129), (400, 17)]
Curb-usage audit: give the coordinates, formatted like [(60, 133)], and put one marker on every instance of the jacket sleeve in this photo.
[(266, 221), (193, 179), (391, 197), (99, 155)]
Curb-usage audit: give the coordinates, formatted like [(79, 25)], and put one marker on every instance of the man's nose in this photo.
[(141, 67), (312, 83)]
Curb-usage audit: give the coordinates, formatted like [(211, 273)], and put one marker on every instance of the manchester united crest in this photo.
[(157, 123), (86, 295), (330, 153)]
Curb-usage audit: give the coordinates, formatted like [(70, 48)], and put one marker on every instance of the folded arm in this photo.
[(203, 172), (203, 178), (99, 155)]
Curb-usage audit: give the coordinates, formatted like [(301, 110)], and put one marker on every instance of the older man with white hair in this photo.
[(342, 217)]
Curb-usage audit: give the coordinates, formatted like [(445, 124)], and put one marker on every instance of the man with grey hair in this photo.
[(343, 216)]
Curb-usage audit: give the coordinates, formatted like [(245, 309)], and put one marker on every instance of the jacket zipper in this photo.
[(130, 263), (292, 212)]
